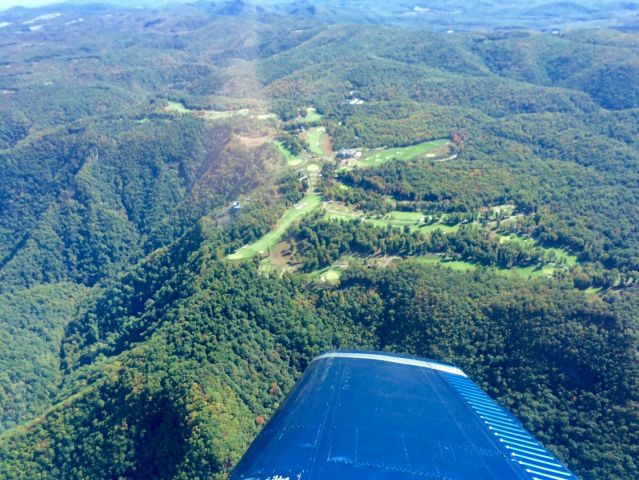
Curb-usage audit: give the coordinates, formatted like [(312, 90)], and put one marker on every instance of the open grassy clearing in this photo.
[(530, 272), (567, 258), (219, 115), (457, 265), (328, 275), (562, 255), (212, 115), (413, 220), (266, 267), (406, 217), (318, 140), (279, 260), (312, 115), (290, 159), (175, 107), (593, 291), (332, 274), (534, 271), (318, 144), (524, 273), (506, 209), (335, 210), (433, 149), (268, 241), (435, 226), (509, 220), (297, 160)]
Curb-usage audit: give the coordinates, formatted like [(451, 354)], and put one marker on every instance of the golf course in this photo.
[(264, 244)]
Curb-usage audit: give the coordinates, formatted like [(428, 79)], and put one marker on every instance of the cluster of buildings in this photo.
[(348, 153)]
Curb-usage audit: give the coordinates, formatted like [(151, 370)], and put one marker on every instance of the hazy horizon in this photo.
[(7, 4)]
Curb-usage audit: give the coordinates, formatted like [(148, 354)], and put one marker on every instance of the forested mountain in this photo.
[(196, 200)]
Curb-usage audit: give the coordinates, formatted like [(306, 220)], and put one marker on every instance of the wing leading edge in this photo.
[(378, 416)]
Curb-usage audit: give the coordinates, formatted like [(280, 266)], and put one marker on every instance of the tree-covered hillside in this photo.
[(197, 200), (177, 391)]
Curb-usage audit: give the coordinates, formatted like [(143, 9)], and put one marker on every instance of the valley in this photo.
[(199, 198)]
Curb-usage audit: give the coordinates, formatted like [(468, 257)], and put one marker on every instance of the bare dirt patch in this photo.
[(254, 141), (326, 144), (281, 257)]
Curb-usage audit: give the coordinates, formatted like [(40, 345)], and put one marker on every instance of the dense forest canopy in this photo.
[(198, 199)]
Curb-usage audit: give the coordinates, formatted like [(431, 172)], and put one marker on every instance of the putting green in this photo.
[(327, 275), (330, 275)]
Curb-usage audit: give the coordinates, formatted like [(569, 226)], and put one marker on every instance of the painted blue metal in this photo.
[(378, 416)]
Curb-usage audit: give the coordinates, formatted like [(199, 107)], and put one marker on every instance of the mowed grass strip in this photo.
[(312, 115), (435, 148), (564, 256), (456, 265), (272, 238), (316, 138), (413, 220), (398, 219), (533, 271), (290, 159), (405, 217), (340, 211), (175, 107), (436, 226), (178, 107), (267, 116), (222, 114), (523, 273)]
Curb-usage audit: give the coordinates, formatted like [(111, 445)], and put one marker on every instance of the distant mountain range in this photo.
[(421, 14)]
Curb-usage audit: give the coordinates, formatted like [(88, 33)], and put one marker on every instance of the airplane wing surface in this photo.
[(378, 416)]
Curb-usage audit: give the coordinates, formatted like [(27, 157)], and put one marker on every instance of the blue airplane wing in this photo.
[(377, 416)]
